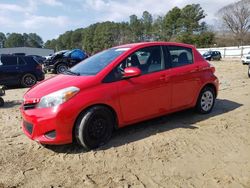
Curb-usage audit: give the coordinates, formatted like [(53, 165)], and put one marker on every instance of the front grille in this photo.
[(29, 106), (28, 126)]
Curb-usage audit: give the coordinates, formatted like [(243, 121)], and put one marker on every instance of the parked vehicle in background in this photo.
[(116, 88), (212, 55), (50, 60), (64, 60), (246, 59), (20, 70)]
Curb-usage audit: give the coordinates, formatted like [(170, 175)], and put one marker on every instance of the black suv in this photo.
[(212, 55), (20, 70)]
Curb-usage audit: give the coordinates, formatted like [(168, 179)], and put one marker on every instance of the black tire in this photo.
[(249, 71), (60, 68), (28, 80), (94, 127), (1, 102), (206, 99)]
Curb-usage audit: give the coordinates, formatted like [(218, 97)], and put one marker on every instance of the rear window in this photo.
[(8, 60)]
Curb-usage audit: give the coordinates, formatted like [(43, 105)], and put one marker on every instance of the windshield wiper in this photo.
[(69, 72)]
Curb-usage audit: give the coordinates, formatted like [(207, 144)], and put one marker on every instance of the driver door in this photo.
[(149, 94)]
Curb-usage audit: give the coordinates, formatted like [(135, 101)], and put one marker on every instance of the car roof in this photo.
[(142, 44)]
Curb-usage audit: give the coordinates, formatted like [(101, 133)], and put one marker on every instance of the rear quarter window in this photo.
[(180, 56), (29, 60)]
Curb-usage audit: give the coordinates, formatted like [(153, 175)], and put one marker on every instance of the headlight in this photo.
[(58, 97)]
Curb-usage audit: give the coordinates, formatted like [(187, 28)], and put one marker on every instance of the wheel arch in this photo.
[(211, 85), (115, 116), (59, 63), (24, 73)]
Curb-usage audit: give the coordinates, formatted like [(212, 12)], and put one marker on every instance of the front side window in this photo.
[(180, 55), (148, 60)]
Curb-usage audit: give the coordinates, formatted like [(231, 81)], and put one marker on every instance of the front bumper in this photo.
[(48, 125), (245, 62), (48, 65)]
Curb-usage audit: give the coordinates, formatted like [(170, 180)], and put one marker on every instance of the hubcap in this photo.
[(29, 80), (98, 128), (62, 69), (207, 100)]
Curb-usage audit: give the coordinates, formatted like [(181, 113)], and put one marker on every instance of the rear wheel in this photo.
[(205, 102), (28, 80), (60, 68), (94, 127)]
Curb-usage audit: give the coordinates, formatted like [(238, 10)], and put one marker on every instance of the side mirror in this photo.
[(130, 72)]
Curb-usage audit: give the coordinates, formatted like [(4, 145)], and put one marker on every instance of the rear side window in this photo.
[(21, 61), (29, 60), (8, 60), (180, 56)]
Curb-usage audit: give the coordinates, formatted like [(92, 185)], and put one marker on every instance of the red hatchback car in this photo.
[(118, 87)]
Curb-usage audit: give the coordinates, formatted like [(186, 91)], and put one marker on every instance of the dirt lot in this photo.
[(179, 150)]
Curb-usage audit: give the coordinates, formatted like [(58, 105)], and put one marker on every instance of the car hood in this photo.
[(59, 82)]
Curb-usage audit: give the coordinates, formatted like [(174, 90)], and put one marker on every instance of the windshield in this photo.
[(97, 62), (207, 53), (61, 52), (66, 54)]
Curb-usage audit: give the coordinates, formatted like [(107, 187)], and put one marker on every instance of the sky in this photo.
[(50, 18)]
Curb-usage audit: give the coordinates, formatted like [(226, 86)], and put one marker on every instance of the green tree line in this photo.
[(19, 40), (181, 25)]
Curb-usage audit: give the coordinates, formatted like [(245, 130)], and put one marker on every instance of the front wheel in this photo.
[(205, 102), (28, 80), (94, 127), (60, 68)]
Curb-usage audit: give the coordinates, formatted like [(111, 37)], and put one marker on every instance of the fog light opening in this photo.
[(51, 134)]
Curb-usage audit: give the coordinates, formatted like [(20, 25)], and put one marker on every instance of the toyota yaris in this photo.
[(115, 88)]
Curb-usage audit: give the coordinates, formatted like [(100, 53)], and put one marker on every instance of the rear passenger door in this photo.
[(8, 70), (184, 76)]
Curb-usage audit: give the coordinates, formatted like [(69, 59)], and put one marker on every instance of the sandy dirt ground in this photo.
[(178, 150)]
